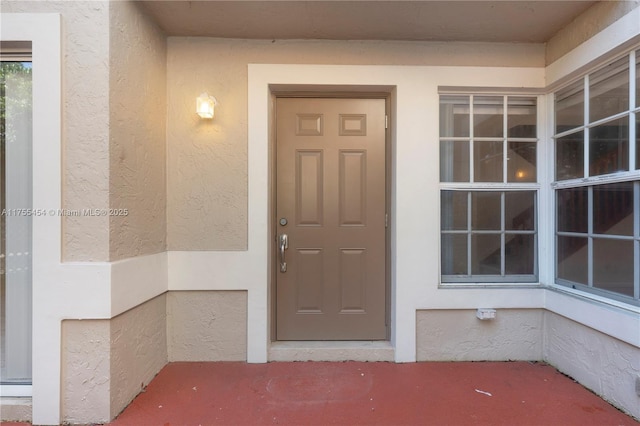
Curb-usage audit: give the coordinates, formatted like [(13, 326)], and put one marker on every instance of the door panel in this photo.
[(309, 280), (353, 185), (309, 188), (330, 186)]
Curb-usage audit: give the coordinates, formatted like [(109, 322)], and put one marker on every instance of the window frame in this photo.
[(506, 280), (590, 182)]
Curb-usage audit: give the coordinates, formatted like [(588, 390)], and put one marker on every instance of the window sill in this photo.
[(594, 298), (477, 285)]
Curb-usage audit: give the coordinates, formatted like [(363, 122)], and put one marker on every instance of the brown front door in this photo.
[(330, 217)]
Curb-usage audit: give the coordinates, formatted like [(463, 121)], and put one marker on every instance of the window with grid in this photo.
[(489, 189), (597, 181)]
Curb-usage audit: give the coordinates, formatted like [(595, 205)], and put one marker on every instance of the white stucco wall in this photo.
[(458, 335), (137, 126), (207, 325), (86, 371), (207, 160), (607, 366), (106, 363), (138, 351)]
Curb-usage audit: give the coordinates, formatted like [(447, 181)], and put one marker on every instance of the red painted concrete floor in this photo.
[(355, 393)]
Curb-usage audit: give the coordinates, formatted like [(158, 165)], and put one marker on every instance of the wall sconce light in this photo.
[(205, 105)]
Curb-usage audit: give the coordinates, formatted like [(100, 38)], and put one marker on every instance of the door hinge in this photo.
[(386, 220), (386, 121)]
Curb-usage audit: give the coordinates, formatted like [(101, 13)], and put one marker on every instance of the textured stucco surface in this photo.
[(602, 363), (85, 371), (114, 115), (85, 121), (15, 409), (207, 160), (207, 325), (457, 335), (138, 350), (137, 113), (106, 363), (586, 25)]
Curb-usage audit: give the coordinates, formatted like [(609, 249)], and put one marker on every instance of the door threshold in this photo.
[(351, 350)]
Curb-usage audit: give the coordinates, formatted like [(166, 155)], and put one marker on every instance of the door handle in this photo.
[(283, 241)]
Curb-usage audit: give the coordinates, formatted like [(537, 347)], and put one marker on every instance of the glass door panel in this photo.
[(15, 222)]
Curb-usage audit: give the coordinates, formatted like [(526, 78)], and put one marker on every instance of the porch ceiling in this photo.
[(489, 21)]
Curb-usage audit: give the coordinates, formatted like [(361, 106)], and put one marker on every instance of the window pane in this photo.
[(453, 210), (16, 231), (613, 265), (613, 209), (521, 119), (609, 147), (521, 162), (638, 141), (570, 156), (570, 107), (454, 254), (488, 116), (454, 116), (486, 211), (454, 161), (520, 211), (487, 161), (485, 254), (519, 254), (609, 90), (637, 78), (572, 208), (572, 259)]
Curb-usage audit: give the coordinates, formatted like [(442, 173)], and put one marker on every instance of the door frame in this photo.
[(337, 92)]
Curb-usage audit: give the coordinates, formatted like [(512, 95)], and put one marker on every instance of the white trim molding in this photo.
[(43, 30)]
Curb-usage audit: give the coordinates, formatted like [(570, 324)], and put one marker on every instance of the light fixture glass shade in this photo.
[(205, 105)]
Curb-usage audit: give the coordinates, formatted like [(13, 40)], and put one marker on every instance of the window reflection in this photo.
[(609, 147), (488, 116), (453, 210), (454, 116), (569, 107), (454, 254), (613, 209), (487, 161), (519, 254), (454, 161), (613, 265), (521, 117), (520, 211), (573, 210), (521, 162), (573, 255), (609, 90), (485, 254), (485, 207), (570, 156)]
